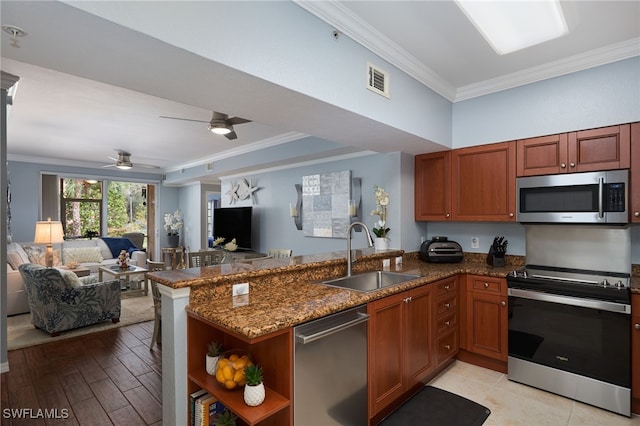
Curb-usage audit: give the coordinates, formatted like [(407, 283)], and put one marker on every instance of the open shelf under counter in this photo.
[(234, 399)]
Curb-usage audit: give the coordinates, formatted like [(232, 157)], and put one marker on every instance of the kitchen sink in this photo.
[(370, 281)]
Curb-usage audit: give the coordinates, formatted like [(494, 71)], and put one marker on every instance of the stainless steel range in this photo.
[(569, 315)]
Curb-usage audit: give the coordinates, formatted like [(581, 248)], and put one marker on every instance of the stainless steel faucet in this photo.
[(369, 239)]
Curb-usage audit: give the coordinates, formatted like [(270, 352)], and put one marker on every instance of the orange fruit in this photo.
[(238, 377), (230, 384), (233, 357), (227, 373), (220, 375)]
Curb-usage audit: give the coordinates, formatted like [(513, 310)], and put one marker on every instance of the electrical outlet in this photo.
[(240, 289), (475, 242)]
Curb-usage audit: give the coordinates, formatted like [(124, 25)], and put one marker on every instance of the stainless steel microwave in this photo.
[(593, 197)]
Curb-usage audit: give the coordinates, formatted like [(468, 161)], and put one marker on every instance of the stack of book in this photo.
[(204, 408)]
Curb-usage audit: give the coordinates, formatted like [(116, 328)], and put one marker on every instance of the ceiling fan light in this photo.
[(124, 166), (220, 128)]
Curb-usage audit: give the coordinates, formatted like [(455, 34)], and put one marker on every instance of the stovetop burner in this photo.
[(601, 285)]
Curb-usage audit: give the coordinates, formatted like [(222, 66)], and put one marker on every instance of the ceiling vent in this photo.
[(377, 80)]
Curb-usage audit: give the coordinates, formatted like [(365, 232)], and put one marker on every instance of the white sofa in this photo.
[(90, 254)]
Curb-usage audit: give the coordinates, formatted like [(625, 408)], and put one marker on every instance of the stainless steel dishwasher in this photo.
[(330, 370)]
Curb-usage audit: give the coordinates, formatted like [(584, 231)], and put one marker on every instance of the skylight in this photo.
[(509, 26)]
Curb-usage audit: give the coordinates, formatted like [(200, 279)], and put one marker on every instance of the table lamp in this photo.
[(48, 232)]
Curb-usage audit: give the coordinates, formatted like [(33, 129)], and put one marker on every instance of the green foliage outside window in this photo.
[(82, 207)]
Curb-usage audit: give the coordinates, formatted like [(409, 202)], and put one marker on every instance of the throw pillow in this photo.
[(82, 255), (38, 255), (15, 260), (70, 278)]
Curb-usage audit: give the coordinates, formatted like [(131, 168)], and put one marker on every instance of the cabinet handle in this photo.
[(486, 285), (572, 164), (637, 214), (446, 287), (636, 326), (511, 214), (447, 215), (448, 323), (447, 347), (407, 300), (563, 166), (503, 303), (447, 305)]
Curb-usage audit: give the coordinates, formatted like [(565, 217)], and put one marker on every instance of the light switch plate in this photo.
[(240, 289), (475, 242)]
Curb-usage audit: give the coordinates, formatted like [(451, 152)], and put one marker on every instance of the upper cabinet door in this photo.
[(607, 148), (635, 173), (433, 186), (484, 183), (542, 156)]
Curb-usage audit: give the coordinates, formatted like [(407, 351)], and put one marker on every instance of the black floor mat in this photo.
[(434, 407)]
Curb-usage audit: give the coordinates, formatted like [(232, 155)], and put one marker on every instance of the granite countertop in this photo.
[(283, 292), (275, 304)]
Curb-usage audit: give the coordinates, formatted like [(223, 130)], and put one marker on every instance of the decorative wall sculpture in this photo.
[(241, 192), (325, 204)]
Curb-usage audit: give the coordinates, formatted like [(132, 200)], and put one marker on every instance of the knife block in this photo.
[(494, 260)]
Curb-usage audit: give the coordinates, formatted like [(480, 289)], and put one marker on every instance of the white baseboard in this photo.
[(4, 367)]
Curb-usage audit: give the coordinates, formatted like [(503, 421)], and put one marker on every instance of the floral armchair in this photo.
[(60, 301)]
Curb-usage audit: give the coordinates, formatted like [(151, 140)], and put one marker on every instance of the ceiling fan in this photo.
[(219, 124), (123, 162)]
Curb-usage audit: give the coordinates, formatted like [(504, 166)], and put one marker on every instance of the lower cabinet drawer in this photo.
[(447, 346), (446, 304), (446, 323)]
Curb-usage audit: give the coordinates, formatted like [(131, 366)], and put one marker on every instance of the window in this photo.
[(88, 206), (81, 207)]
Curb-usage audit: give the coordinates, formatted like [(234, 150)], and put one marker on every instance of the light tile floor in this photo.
[(512, 403)]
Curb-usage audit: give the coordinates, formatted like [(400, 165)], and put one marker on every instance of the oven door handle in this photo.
[(574, 301)]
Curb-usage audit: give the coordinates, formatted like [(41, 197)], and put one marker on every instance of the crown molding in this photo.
[(340, 17), (605, 55), (343, 19), (244, 149)]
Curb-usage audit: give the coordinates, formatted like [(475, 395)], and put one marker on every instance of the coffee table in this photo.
[(124, 276), (80, 271)]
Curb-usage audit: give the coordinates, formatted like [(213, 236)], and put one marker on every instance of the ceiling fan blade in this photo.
[(112, 158), (238, 120), (108, 165), (183, 119), (231, 136)]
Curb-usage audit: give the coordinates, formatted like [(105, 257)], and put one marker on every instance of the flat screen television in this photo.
[(233, 222)]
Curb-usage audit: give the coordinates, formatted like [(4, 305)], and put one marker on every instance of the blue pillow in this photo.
[(117, 244)]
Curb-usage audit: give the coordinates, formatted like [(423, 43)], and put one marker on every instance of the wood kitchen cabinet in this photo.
[(468, 184), (606, 148), (433, 186), (483, 183), (486, 328), (635, 353), (634, 191), (446, 312), (400, 345)]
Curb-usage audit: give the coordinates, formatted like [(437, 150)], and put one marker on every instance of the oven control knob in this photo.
[(604, 283), (525, 274), (620, 284)]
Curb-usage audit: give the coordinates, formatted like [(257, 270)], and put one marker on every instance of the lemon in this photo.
[(230, 384), (227, 373)]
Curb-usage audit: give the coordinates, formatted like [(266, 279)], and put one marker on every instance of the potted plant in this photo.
[(226, 418), (382, 200), (172, 224), (213, 353), (254, 389)]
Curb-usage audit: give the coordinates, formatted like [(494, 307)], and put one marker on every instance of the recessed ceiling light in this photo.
[(509, 26)]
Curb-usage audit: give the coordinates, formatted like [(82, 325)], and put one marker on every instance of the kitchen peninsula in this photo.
[(282, 294)]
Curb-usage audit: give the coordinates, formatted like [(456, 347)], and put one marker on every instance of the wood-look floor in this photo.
[(105, 378)]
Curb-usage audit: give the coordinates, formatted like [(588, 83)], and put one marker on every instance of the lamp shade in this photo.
[(48, 232)]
